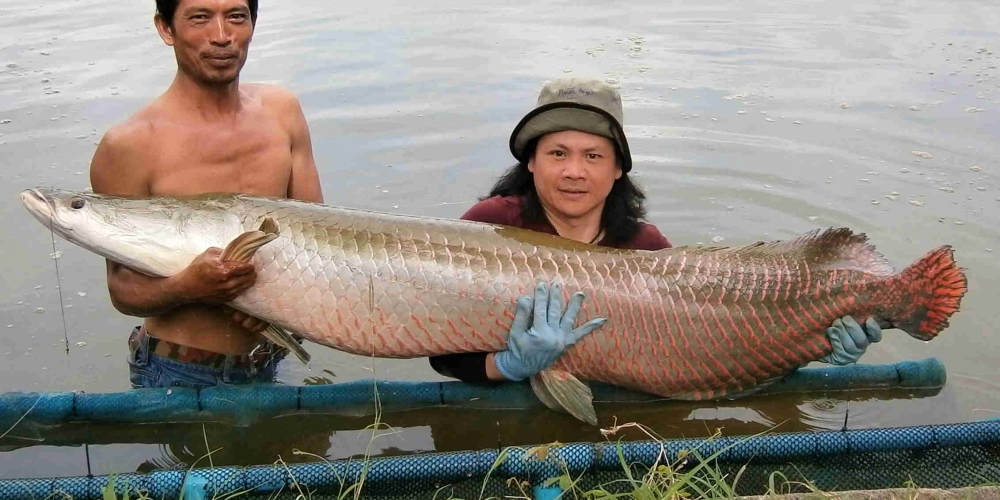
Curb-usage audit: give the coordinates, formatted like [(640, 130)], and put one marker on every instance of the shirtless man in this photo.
[(206, 133)]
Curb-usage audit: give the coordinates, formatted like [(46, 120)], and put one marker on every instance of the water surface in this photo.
[(747, 121)]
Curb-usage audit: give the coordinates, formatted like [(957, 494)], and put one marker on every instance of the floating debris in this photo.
[(40, 310), (923, 154), (914, 108), (10, 326), (82, 294), (981, 188), (946, 189), (5, 121), (891, 197), (959, 223), (81, 344), (385, 191), (767, 186), (876, 202), (741, 112), (865, 180), (976, 168), (895, 193), (904, 170), (812, 217), (55, 255), (973, 109), (718, 239), (916, 203), (797, 122), (769, 119), (844, 105)]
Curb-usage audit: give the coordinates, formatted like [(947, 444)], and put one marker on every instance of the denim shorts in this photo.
[(149, 370)]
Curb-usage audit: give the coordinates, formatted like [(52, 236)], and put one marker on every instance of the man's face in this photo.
[(574, 172), (210, 38)]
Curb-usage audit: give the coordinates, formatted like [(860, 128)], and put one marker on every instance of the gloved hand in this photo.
[(531, 350), (850, 340)]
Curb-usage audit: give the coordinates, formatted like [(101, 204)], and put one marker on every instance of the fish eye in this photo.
[(77, 203)]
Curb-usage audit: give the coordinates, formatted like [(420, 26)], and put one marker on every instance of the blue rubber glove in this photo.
[(850, 340), (531, 350)]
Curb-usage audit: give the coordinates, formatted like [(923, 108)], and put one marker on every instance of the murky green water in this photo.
[(747, 121)]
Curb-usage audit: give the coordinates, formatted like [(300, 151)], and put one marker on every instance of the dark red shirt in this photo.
[(506, 210)]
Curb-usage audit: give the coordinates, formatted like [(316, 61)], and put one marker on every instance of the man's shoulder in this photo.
[(137, 132), (271, 96), (648, 237), (496, 210)]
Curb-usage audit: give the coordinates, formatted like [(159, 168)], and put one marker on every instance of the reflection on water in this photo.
[(747, 121), (452, 428)]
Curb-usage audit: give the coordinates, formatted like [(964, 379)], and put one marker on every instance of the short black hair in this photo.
[(167, 8), (623, 208)]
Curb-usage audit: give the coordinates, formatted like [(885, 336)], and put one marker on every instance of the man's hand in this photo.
[(249, 322), (209, 279), (850, 340), (531, 350)]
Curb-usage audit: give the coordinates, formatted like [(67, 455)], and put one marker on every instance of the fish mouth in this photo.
[(42, 207)]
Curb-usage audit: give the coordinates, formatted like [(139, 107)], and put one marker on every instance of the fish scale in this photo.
[(686, 323)]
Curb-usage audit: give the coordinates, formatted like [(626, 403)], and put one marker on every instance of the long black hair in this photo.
[(623, 207)]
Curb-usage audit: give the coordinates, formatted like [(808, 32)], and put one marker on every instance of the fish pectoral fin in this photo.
[(282, 338), (544, 395), (245, 245), (561, 391)]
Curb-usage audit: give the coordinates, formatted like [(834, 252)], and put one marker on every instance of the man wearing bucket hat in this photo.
[(571, 180)]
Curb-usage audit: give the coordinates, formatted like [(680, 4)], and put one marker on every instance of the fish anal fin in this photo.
[(561, 391), (832, 248)]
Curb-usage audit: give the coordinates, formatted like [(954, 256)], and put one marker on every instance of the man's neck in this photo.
[(586, 228), (211, 102)]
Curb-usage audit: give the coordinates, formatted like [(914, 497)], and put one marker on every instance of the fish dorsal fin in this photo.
[(245, 245), (833, 248)]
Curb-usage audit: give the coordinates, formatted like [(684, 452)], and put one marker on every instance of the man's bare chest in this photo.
[(256, 162)]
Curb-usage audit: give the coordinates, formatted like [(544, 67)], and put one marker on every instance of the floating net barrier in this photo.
[(245, 404), (942, 456)]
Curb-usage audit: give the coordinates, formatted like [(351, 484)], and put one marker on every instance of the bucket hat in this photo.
[(590, 106)]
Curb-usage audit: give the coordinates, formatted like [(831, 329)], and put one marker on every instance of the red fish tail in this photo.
[(925, 294)]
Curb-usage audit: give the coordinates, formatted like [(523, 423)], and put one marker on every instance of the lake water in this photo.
[(747, 121)]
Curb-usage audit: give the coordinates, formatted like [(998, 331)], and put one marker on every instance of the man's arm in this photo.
[(304, 183), (117, 169)]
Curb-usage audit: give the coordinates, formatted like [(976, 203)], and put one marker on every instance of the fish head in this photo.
[(157, 236)]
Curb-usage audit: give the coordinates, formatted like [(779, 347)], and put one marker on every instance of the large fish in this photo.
[(686, 323)]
